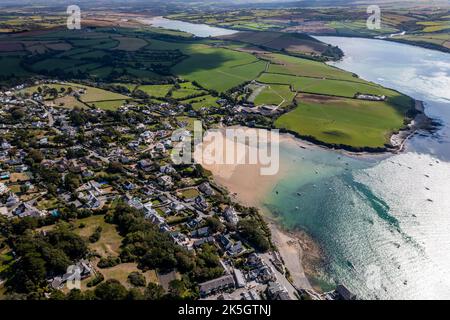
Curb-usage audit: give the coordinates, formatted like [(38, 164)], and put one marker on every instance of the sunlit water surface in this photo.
[(384, 224)]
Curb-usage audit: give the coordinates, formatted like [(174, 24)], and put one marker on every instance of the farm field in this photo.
[(158, 90), (130, 44), (434, 26), (218, 68), (275, 95), (186, 90), (324, 86), (289, 42), (130, 86), (202, 102), (345, 121), (102, 99), (68, 102), (358, 27), (108, 105), (302, 67), (10, 65)]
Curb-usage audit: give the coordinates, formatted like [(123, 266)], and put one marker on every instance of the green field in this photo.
[(217, 68), (275, 95), (158, 91), (324, 86), (102, 99), (202, 102), (303, 67), (108, 105), (345, 121), (186, 90), (53, 64), (11, 66), (129, 86)]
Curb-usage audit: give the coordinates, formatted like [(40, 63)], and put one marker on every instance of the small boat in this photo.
[(296, 208), (430, 200), (299, 194)]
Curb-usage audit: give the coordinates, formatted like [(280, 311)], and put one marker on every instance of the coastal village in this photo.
[(61, 165)]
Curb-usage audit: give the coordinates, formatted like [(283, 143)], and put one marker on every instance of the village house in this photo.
[(3, 189), (217, 285), (165, 182), (231, 216), (200, 203), (205, 188), (27, 210), (276, 291), (80, 271), (200, 242), (200, 233)]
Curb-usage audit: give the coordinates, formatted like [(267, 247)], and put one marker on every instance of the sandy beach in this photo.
[(247, 186)]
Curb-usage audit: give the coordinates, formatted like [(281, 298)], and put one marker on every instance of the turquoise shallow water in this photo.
[(384, 224)]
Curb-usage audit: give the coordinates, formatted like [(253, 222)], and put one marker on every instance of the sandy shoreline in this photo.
[(301, 255)]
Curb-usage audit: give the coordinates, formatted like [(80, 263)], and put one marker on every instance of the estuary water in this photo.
[(198, 30), (383, 223)]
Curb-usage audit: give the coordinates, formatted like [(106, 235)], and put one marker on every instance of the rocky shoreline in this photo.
[(420, 122)]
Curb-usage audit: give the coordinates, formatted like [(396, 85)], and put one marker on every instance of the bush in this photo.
[(137, 279), (98, 279), (96, 235), (108, 262)]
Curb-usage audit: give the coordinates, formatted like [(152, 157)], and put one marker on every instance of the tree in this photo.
[(154, 292), (111, 290), (215, 224), (115, 167), (36, 156), (254, 234), (72, 182), (135, 294), (178, 290)]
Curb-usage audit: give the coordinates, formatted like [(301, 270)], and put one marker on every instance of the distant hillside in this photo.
[(293, 43)]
